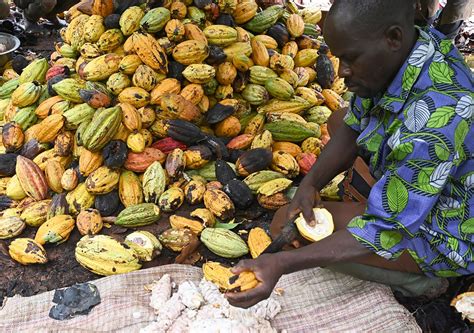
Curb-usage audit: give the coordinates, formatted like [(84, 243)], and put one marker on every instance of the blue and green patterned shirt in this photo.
[(421, 144)]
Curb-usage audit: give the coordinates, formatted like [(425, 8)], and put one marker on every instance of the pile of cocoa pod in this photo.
[(139, 110)]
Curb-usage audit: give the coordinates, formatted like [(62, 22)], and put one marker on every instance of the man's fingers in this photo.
[(248, 298), (243, 266), (309, 215)]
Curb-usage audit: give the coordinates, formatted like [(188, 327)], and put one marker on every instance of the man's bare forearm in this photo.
[(337, 248)]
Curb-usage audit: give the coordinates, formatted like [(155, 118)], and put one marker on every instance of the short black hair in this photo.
[(374, 15)]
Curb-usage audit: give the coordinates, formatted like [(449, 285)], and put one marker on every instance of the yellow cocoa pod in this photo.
[(138, 97), (54, 172), (36, 214), (27, 251), (102, 181), (181, 222), (258, 241), (226, 280), (89, 222), (130, 189), (226, 73), (55, 230)]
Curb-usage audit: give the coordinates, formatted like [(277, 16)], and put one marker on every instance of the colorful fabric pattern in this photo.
[(421, 143)]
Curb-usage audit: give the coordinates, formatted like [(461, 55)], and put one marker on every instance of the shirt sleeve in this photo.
[(401, 200), (354, 114)]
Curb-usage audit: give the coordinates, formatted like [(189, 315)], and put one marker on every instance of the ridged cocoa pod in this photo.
[(167, 145), (102, 181), (107, 204), (32, 179), (176, 239), (64, 143), (140, 162), (171, 199), (89, 161), (194, 191), (89, 222), (54, 172), (12, 137), (253, 160), (130, 189), (36, 213), (175, 163), (58, 206), (219, 204), (6, 202), (31, 149), (115, 154), (69, 180), (273, 202), (197, 156), (285, 163)]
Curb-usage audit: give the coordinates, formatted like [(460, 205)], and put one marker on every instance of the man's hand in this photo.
[(268, 269), (305, 199)]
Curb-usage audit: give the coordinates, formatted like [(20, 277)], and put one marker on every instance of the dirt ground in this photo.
[(63, 270)]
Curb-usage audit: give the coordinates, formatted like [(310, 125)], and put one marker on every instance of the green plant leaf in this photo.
[(447, 273), (410, 76), (389, 239), (445, 46), (440, 72), (441, 117), (423, 181), (357, 223), (467, 226), (397, 195), (453, 243), (229, 225), (441, 152), (373, 144), (460, 134)]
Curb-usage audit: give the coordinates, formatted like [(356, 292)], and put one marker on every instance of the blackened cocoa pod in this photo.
[(224, 172), (175, 70), (8, 164), (201, 4), (122, 5), (279, 33), (226, 19), (240, 194), (32, 148), (52, 81), (218, 113), (112, 21), (325, 70), (6, 202), (241, 81), (58, 206), (234, 155), (107, 204), (184, 131), (217, 147), (19, 62), (254, 160), (115, 154), (216, 55)]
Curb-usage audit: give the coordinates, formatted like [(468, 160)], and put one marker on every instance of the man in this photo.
[(451, 17), (412, 114), (33, 10)]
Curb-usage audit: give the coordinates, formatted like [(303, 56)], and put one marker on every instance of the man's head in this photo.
[(372, 39)]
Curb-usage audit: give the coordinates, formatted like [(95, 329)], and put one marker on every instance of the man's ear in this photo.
[(394, 37)]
